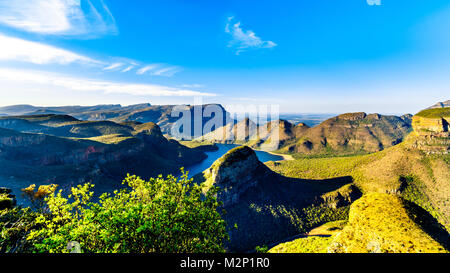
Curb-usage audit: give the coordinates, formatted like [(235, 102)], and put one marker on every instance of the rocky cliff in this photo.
[(349, 133), (103, 159), (263, 207), (431, 131), (235, 173)]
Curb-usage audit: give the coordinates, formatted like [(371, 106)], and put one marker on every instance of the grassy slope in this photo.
[(435, 113), (317, 241), (381, 223), (421, 180)]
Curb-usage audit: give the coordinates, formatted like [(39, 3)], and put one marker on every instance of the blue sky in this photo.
[(323, 56)]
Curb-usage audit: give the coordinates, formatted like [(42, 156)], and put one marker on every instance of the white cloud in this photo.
[(58, 17), (127, 68), (14, 49), (159, 70), (195, 85), (243, 40), (166, 71), (144, 69), (80, 84), (113, 66)]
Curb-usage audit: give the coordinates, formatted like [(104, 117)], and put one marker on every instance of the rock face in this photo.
[(424, 125), (267, 207), (348, 133), (235, 173), (39, 158), (431, 131)]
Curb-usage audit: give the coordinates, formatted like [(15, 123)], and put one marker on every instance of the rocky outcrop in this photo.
[(431, 131), (341, 197), (236, 172), (350, 133), (430, 125), (262, 207)]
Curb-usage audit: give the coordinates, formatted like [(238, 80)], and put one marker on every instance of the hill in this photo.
[(263, 207), (351, 133), (408, 182), (63, 150), (443, 104), (163, 115), (384, 223), (166, 116), (378, 223), (17, 110)]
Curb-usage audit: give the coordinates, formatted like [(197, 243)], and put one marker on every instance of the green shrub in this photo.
[(160, 215)]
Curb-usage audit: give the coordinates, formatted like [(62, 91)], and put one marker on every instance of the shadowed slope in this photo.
[(263, 207)]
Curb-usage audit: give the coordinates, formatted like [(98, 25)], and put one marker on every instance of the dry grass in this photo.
[(380, 223)]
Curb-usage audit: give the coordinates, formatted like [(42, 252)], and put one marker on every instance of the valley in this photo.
[(317, 176)]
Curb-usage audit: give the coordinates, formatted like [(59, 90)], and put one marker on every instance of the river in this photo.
[(223, 149)]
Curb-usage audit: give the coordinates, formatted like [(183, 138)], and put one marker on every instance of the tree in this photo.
[(169, 215)]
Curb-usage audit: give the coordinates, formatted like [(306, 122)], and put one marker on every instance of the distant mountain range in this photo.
[(440, 105), (64, 150), (162, 115), (349, 133)]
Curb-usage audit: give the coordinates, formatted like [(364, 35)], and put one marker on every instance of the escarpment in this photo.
[(431, 131), (264, 207), (235, 173)]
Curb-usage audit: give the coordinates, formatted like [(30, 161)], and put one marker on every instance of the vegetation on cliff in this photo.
[(169, 215)]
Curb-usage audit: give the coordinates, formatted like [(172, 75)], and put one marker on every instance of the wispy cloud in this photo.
[(144, 69), (14, 49), (158, 70), (166, 71), (82, 84), (195, 85), (243, 40), (59, 17), (85, 18), (113, 66), (19, 50), (128, 68)]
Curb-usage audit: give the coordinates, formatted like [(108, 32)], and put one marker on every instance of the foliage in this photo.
[(159, 215), (15, 225), (262, 249), (37, 197)]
